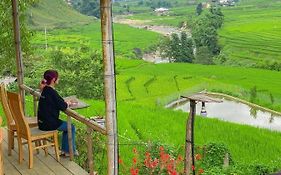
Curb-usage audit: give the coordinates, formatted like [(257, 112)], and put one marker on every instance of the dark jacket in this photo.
[(49, 107)]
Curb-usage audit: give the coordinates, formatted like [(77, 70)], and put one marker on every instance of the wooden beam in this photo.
[(92, 124), (110, 86), (189, 140), (19, 61)]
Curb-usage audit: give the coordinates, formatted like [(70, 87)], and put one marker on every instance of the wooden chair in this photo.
[(49, 138), (32, 121)]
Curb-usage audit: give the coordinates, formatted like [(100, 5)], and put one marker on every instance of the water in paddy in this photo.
[(237, 112)]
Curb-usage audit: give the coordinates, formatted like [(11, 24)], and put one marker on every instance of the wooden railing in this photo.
[(91, 126)]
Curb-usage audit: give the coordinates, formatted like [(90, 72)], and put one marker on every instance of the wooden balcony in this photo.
[(42, 164)]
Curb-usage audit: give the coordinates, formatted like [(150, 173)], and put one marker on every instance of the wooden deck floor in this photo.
[(43, 165)]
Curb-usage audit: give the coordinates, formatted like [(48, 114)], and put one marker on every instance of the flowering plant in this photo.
[(162, 163)]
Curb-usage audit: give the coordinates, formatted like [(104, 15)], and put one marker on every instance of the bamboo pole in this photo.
[(69, 135), (17, 39), (110, 86), (90, 150), (189, 141)]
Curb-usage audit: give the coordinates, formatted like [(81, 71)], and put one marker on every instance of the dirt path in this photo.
[(164, 30), (143, 24)]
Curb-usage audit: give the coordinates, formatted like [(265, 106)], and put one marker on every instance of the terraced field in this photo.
[(251, 33)]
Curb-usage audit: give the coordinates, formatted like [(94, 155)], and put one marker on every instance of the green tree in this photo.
[(199, 9), (88, 7), (203, 56), (204, 30), (79, 69), (178, 48), (7, 49)]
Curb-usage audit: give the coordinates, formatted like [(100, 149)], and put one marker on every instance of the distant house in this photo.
[(69, 2), (161, 11), (227, 2), (206, 5)]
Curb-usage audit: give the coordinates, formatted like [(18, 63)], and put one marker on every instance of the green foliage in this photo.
[(178, 48), (7, 42), (199, 9), (88, 7), (80, 73), (215, 154), (98, 147), (203, 56), (78, 69), (204, 29)]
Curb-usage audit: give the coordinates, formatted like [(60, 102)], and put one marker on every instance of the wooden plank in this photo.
[(70, 165), (9, 168), (23, 167), (42, 164), (52, 163), (39, 167)]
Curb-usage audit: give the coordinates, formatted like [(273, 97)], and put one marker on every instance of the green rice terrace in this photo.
[(250, 45)]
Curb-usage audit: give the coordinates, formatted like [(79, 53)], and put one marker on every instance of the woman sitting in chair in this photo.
[(49, 107)]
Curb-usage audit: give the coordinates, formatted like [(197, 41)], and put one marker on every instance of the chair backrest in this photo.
[(14, 101), (5, 105)]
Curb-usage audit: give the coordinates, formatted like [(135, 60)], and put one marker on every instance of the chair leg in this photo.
[(13, 139), (20, 150), (56, 146), (30, 151), (37, 143), (46, 148), (10, 142)]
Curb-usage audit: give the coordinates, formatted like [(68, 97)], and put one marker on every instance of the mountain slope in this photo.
[(55, 14)]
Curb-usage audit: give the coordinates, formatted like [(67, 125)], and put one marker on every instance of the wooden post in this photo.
[(1, 154), (189, 141), (90, 150), (69, 134), (19, 61), (109, 86), (35, 99)]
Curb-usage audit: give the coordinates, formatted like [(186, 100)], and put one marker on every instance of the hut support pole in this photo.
[(19, 61), (189, 141), (69, 135), (109, 86), (90, 150)]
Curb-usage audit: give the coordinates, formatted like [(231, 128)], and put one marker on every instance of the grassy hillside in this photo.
[(126, 38), (142, 118), (251, 33), (55, 14)]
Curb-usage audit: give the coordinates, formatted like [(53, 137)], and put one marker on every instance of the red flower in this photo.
[(134, 171), (135, 160), (200, 171), (120, 161), (198, 157), (135, 150), (161, 148), (180, 158), (193, 167), (147, 154)]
